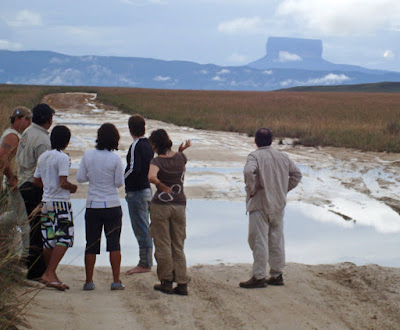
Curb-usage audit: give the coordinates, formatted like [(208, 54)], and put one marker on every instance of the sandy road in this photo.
[(341, 296)]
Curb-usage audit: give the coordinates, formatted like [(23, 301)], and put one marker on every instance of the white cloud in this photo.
[(203, 71), (389, 55), (342, 17), (224, 71), (5, 44), (288, 57), (329, 79), (217, 78), (269, 72), (161, 78), (238, 58), (25, 18), (243, 25), (288, 82)]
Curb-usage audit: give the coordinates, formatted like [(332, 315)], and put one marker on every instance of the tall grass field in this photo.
[(361, 120)]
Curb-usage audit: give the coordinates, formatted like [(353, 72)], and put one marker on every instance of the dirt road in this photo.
[(341, 296)]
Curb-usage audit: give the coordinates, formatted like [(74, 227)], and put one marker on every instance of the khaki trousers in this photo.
[(267, 243), (168, 230)]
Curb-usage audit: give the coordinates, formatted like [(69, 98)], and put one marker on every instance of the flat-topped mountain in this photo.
[(297, 53)]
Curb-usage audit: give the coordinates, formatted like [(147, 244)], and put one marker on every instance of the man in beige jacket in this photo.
[(269, 175)]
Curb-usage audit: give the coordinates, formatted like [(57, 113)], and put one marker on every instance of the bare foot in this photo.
[(138, 270)]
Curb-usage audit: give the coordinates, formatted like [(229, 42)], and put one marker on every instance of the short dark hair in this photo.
[(59, 137), (136, 125), (107, 137), (160, 141), (42, 114), (263, 137)]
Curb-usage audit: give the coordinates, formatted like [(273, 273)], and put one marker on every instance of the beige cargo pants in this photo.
[(168, 230), (267, 243)]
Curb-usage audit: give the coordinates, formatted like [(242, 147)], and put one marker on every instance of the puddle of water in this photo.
[(217, 232)]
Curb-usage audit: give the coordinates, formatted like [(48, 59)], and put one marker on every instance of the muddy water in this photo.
[(348, 198)]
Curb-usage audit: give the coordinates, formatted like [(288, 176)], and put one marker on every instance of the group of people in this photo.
[(37, 167)]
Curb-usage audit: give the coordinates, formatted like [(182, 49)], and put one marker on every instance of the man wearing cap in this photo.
[(34, 141), (20, 118), (11, 202)]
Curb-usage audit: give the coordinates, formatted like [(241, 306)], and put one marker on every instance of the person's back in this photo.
[(138, 191), (272, 179), (34, 141), (99, 167), (171, 172), (168, 213), (268, 174), (104, 171), (137, 167), (56, 222), (52, 164)]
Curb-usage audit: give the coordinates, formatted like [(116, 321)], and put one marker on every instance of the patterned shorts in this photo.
[(57, 224)]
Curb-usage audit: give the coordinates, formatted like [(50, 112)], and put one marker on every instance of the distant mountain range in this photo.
[(289, 62)]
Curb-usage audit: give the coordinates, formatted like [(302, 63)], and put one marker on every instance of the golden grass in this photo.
[(365, 121)]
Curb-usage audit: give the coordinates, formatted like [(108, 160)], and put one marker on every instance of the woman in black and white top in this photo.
[(104, 171)]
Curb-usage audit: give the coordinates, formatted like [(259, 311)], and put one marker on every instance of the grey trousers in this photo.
[(267, 243)]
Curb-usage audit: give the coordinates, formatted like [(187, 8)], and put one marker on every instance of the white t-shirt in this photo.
[(51, 165), (104, 171)]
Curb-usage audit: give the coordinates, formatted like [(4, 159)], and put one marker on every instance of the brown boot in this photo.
[(253, 283), (181, 289), (275, 280), (165, 287)]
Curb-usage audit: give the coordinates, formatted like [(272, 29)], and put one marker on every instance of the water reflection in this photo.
[(217, 232)]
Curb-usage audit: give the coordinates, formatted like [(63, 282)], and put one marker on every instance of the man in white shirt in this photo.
[(56, 222)]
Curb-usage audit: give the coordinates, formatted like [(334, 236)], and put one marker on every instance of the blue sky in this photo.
[(223, 32)]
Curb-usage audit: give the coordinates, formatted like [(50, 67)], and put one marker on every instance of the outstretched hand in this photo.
[(185, 145)]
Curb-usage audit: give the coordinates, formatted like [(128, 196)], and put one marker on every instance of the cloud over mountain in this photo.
[(342, 17)]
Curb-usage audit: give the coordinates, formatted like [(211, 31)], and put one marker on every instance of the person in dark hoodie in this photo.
[(138, 192)]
